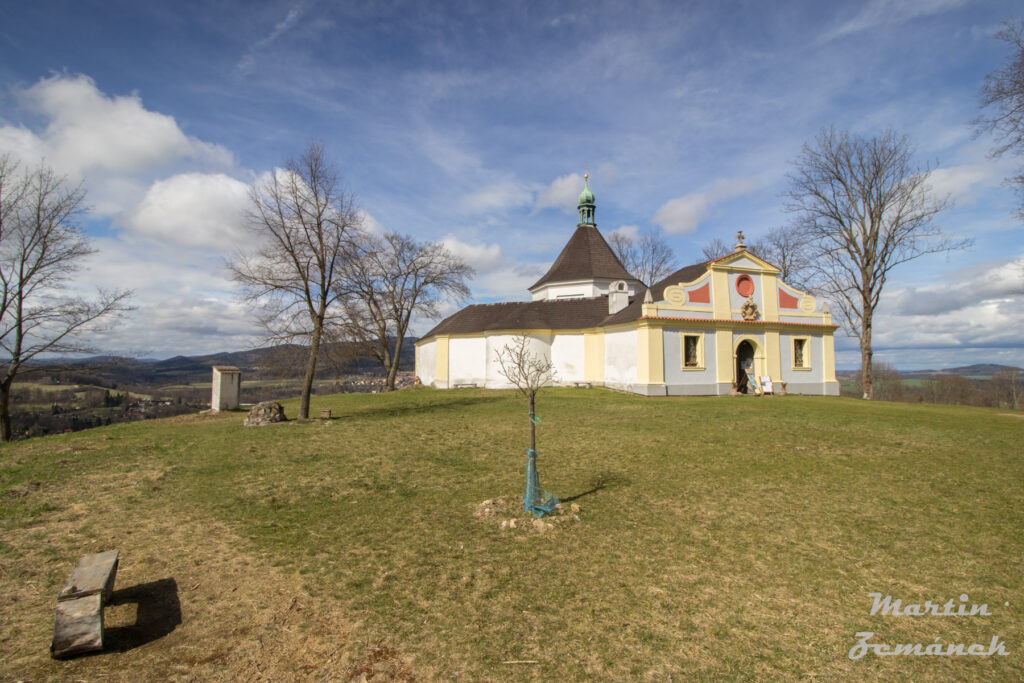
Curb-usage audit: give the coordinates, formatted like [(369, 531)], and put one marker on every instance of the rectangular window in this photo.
[(800, 351), (693, 351)]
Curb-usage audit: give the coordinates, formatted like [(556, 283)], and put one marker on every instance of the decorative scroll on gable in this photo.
[(696, 291)]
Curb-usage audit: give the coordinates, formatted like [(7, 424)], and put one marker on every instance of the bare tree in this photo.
[(647, 256), (716, 248), (1006, 388), (304, 224), (390, 280), (1002, 99), (863, 209), (41, 247), (528, 372)]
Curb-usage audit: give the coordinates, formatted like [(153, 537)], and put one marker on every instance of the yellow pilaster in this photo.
[(773, 355), (723, 355), (829, 356), (650, 356), (770, 297), (720, 294), (441, 374), (593, 356)]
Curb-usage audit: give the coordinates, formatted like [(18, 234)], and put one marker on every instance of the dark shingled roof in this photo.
[(586, 255), (557, 314), (632, 311)]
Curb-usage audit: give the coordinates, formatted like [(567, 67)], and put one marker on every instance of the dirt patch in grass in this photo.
[(508, 513), (192, 600)]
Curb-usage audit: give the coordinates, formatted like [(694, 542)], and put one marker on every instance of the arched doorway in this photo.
[(744, 363)]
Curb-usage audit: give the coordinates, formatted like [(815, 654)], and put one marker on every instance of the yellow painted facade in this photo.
[(723, 356), (773, 351), (441, 367), (830, 358), (650, 359)]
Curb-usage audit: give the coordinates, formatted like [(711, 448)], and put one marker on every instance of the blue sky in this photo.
[(473, 122)]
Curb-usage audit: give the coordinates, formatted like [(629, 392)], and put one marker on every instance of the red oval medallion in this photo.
[(744, 285)]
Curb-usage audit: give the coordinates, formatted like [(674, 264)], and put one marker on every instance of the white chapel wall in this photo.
[(567, 356), (620, 350), (467, 361), (426, 362)]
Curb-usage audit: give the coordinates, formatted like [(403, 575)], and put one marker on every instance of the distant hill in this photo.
[(977, 371), (285, 361)]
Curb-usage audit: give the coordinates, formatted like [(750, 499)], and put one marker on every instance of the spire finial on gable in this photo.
[(739, 242)]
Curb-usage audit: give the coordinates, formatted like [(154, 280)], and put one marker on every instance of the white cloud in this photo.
[(114, 144), (562, 193), (290, 20), (957, 182), (370, 224), (683, 214), (484, 258), (497, 197), (976, 316), (88, 130), (627, 231), (888, 12), (185, 303), (996, 284), (193, 209)]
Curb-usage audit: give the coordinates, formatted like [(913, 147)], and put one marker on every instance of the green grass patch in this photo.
[(719, 537)]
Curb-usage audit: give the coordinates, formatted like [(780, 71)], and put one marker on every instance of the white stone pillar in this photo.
[(227, 387)]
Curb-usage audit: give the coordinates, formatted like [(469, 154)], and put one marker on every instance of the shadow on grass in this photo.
[(599, 482), (159, 613)]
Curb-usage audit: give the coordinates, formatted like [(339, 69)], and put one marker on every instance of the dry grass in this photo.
[(717, 538)]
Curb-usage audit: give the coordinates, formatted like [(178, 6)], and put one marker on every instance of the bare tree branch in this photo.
[(1002, 102), (528, 372)]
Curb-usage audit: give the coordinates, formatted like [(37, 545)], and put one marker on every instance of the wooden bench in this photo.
[(577, 385), (78, 624), (471, 385)]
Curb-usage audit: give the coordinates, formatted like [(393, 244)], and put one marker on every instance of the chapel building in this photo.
[(703, 330)]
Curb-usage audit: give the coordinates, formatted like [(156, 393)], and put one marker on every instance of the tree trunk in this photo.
[(866, 353), (395, 361), (5, 415), (307, 383), (533, 426)]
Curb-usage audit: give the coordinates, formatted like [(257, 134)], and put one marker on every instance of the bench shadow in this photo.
[(159, 613)]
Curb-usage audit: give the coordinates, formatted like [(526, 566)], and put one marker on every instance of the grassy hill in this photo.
[(717, 538)]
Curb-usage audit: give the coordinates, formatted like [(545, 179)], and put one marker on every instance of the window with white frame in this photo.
[(801, 353), (692, 350)]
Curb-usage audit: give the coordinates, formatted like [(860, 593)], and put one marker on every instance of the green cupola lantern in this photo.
[(586, 203)]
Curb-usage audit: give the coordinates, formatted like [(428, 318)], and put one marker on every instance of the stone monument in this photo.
[(227, 387)]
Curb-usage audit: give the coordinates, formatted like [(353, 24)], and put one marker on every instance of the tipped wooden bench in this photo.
[(78, 624)]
